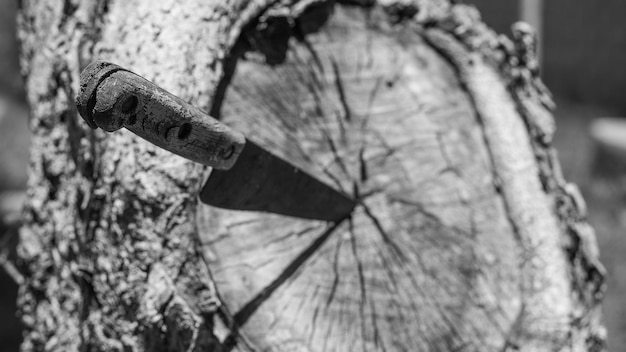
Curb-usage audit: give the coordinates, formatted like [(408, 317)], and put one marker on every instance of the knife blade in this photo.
[(245, 176)]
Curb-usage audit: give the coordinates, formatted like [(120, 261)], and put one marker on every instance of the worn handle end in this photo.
[(90, 79)]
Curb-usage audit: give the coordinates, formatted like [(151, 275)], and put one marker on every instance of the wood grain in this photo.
[(428, 255)]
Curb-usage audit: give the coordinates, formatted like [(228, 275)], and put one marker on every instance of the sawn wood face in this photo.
[(429, 251)]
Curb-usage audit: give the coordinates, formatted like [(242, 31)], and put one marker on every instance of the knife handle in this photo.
[(112, 97)]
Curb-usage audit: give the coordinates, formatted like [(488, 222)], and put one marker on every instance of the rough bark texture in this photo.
[(467, 237)]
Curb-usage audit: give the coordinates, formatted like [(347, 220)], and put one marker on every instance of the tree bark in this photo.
[(466, 238)]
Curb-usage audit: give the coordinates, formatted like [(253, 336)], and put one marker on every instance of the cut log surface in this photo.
[(466, 236), (376, 113), (445, 249)]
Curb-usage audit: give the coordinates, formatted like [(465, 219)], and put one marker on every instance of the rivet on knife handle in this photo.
[(112, 97)]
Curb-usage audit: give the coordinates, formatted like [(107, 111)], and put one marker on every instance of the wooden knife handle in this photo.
[(112, 97)]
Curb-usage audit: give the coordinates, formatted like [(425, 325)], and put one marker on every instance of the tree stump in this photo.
[(466, 238)]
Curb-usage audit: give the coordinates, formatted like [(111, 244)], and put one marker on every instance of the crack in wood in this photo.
[(246, 312), (383, 233), (347, 114), (335, 283)]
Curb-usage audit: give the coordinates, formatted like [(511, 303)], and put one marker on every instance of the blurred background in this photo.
[(583, 54), (14, 143)]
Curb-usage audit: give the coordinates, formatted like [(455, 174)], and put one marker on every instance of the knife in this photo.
[(245, 176)]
